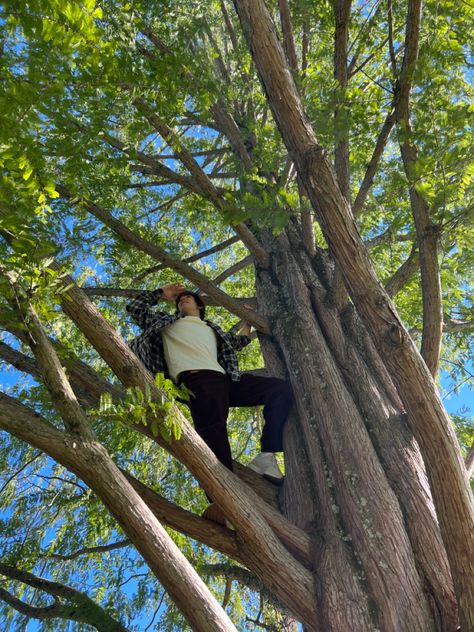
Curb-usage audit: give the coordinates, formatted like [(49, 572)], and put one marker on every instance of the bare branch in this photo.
[(88, 385), (210, 153), (201, 181), (152, 165), (288, 38), (19, 360), (243, 577), (371, 170), (52, 372), (90, 550), (387, 237), (454, 325), (243, 263), (365, 27), (353, 69), (200, 255), (229, 27), (18, 472), (205, 531), (24, 423), (403, 274), (219, 59), (133, 292), (223, 119), (213, 535), (393, 58)]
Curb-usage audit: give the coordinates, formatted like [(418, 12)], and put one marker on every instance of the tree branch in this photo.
[(88, 385), (453, 325), (131, 512), (387, 237), (404, 273), (179, 266), (243, 577), (393, 58), (104, 548), (52, 373), (288, 38), (227, 125), (243, 263), (132, 293), (224, 121), (229, 27), (188, 523), (201, 179), (81, 607), (200, 255), (427, 233), (342, 9), (371, 170), (20, 361)]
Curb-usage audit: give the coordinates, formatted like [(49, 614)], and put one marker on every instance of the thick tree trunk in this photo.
[(355, 477), (430, 422)]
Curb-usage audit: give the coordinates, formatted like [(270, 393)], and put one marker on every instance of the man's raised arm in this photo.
[(140, 308)]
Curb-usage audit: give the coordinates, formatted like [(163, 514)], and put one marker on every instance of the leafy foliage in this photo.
[(74, 75)]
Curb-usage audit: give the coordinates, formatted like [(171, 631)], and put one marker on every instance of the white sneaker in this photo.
[(266, 464)]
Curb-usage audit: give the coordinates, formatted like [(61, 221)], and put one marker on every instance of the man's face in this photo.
[(187, 305)]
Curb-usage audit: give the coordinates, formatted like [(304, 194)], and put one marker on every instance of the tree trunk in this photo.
[(355, 476), (414, 383)]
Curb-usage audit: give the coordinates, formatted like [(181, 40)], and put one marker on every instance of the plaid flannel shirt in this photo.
[(148, 346)]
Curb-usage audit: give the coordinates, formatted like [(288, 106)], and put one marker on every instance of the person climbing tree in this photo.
[(196, 352)]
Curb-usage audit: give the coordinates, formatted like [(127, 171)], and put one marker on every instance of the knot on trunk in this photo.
[(395, 335)]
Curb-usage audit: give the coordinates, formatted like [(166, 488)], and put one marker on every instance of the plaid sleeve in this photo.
[(140, 309), (238, 342)]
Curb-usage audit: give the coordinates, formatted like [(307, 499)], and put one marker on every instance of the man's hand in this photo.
[(170, 292)]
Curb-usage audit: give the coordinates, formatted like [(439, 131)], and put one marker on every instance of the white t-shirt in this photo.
[(190, 344)]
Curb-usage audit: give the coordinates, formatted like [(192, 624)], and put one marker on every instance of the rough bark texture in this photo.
[(352, 542), (354, 407), (431, 425)]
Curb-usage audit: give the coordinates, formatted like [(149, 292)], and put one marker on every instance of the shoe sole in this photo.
[(274, 479)]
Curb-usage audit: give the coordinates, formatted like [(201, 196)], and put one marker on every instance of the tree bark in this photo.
[(427, 234), (82, 454), (365, 388), (342, 10), (431, 424)]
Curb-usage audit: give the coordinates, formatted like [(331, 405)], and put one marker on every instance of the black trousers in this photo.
[(214, 393)]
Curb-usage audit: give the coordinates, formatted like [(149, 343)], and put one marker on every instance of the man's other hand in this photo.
[(245, 328), (170, 292)]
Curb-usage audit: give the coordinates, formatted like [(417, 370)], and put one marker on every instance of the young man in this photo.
[(196, 352)]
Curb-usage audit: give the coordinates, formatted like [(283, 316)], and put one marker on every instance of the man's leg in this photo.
[(209, 409), (276, 397)]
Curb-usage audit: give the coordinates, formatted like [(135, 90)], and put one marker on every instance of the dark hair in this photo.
[(197, 298)]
